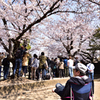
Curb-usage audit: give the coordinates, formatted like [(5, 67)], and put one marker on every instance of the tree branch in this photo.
[(95, 2), (38, 20), (3, 44)]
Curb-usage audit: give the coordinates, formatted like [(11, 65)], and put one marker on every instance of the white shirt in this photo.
[(90, 67), (35, 62), (70, 63)]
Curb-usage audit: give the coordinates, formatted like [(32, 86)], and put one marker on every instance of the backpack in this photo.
[(18, 53)]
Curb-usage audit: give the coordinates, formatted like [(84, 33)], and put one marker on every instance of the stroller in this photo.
[(49, 74)]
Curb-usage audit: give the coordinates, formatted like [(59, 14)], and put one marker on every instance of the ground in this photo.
[(44, 93), (97, 90)]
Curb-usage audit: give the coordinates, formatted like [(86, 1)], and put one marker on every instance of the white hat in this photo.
[(81, 67)]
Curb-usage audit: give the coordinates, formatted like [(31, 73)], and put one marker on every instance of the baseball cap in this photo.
[(81, 67)]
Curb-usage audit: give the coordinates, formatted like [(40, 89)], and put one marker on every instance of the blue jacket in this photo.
[(65, 62), (73, 80)]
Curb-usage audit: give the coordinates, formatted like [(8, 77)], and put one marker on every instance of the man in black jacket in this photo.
[(6, 64), (79, 78)]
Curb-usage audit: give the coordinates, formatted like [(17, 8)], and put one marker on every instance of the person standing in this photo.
[(2, 56), (76, 61), (70, 64), (42, 64), (61, 68), (29, 66), (18, 60), (25, 63), (6, 64), (91, 68), (66, 71), (34, 66), (53, 65)]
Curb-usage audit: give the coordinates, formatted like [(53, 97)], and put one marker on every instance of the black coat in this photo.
[(5, 62)]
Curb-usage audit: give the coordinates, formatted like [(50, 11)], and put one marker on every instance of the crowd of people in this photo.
[(80, 86), (41, 67)]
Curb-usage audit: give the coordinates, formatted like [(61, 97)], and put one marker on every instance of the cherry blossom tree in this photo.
[(20, 18), (69, 36)]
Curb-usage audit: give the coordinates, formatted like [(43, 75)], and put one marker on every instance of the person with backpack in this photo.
[(42, 64), (53, 66), (18, 60), (6, 64), (91, 68), (90, 72)]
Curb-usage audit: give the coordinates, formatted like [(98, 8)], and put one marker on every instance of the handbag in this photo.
[(54, 67)]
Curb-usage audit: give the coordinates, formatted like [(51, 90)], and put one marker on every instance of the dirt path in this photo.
[(97, 90), (43, 94)]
